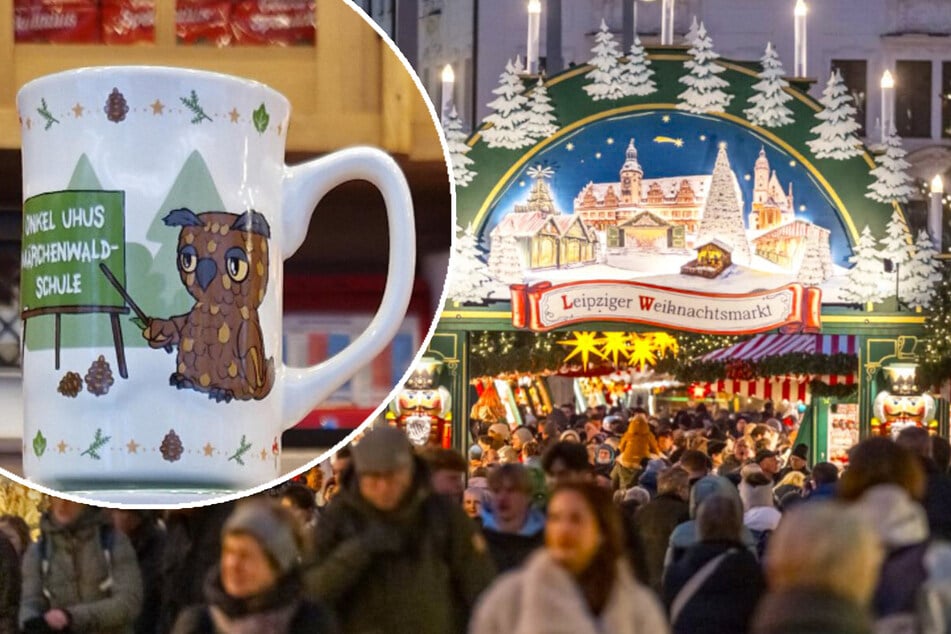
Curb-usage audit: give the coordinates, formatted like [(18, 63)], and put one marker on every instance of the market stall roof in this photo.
[(762, 346), (776, 388)]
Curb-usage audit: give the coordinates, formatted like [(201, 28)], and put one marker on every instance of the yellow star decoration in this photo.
[(78, 110), (209, 449), (585, 344), (132, 446), (664, 343), (264, 454), (615, 345), (158, 107), (61, 447), (642, 351), (665, 118), (234, 115)]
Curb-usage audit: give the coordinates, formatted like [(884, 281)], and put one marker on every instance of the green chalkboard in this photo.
[(66, 236)]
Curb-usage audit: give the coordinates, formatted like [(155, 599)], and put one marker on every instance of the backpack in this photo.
[(107, 538)]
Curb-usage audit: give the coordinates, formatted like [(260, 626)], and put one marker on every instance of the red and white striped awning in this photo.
[(776, 388), (762, 346)]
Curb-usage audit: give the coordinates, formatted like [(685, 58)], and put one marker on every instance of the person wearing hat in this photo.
[(768, 462), (256, 586), (798, 461), (392, 556)]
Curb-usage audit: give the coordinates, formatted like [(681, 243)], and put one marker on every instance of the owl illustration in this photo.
[(223, 262)]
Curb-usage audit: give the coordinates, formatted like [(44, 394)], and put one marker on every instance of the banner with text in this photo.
[(545, 306)]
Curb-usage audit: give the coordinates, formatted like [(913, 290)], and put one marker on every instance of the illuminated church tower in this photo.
[(631, 175)]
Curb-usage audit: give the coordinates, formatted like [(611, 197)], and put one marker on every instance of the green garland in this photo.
[(795, 363)]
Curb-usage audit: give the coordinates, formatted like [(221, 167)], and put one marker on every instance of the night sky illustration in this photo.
[(597, 151)]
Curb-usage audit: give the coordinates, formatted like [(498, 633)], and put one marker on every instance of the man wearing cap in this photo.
[(798, 461), (769, 463), (391, 556)]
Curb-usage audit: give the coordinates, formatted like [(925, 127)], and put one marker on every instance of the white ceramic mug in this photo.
[(157, 214)]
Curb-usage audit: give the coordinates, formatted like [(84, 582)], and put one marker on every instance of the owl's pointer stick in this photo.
[(128, 300)]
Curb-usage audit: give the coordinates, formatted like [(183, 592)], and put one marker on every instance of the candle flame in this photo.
[(887, 80), (534, 6), (937, 184), (801, 8), (448, 75)]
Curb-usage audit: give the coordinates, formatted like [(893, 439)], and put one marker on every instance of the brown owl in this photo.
[(223, 262)]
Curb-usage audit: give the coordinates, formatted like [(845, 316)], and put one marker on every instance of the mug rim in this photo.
[(131, 69)]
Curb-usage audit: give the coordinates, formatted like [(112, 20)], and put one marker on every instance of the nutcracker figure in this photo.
[(423, 409), (903, 404)]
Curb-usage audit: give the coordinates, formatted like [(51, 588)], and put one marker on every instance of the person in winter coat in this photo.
[(884, 483), (715, 586), (760, 514), (147, 537), (81, 575), (937, 483), (637, 443), (822, 566), (579, 582), (10, 585), (391, 556), (512, 528), (657, 519), (256, 587), (685, 534)]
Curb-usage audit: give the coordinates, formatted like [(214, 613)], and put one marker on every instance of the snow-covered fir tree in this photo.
[(467, 276), (505, 265), (892, 182), (723, 212), (835, 136), (924, 273), (704, 88), (458, 148), (607, 80), (508, 111), (862, 285), (896, 246), (637, 71), (541, 122), (811, 272), (825, 257), (769, 109), (692, 32)]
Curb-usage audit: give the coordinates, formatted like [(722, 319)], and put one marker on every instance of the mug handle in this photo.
[(304, 185)]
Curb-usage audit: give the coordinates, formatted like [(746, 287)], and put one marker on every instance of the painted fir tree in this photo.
[(542, 122), (458, 148), (467, 276), (691, 35), (637, 72), (607, 80), (924, 273), (769, 100), (896, 246), (811, 272), (835, 136), (723, 212), (704, 88), (508, 111), (505, 265), (892, 182), (862, 283)]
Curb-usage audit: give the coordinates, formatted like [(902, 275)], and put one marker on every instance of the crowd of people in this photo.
[(608, 522)]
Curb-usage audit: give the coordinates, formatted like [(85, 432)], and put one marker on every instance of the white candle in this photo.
[(799, 63), (448, 79), (887, 84), (534, 22), (667, 23), (935, 213)]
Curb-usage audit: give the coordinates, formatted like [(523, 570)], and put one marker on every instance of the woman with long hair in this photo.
[(578, 582)]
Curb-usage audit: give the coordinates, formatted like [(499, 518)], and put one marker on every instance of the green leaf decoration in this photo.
[(97, 443), (39, 444), (243, 448), (261, 118), (191, 103), (46, 114)]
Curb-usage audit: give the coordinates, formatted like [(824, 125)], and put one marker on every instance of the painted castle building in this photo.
[(772, 206)]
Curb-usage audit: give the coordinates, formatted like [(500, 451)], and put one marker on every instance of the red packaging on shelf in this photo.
[(203, 22), (58, 21), (273, 22), (128, 21)]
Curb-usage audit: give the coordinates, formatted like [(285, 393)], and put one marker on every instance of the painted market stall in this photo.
[(714, 202)]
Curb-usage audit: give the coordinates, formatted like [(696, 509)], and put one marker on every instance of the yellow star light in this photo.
[(78, 110), (665, 118), (132, 446), (585, 344), (642, 351), (209, 449), (664, 343), (615, 345), (157, 107), (570, 146)]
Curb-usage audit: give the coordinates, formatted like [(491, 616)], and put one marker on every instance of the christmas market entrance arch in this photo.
[(637, 193)]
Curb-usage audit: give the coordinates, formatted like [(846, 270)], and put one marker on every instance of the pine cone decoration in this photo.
[(171, 447), (99, 377), (116, 106), (70, 385)]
